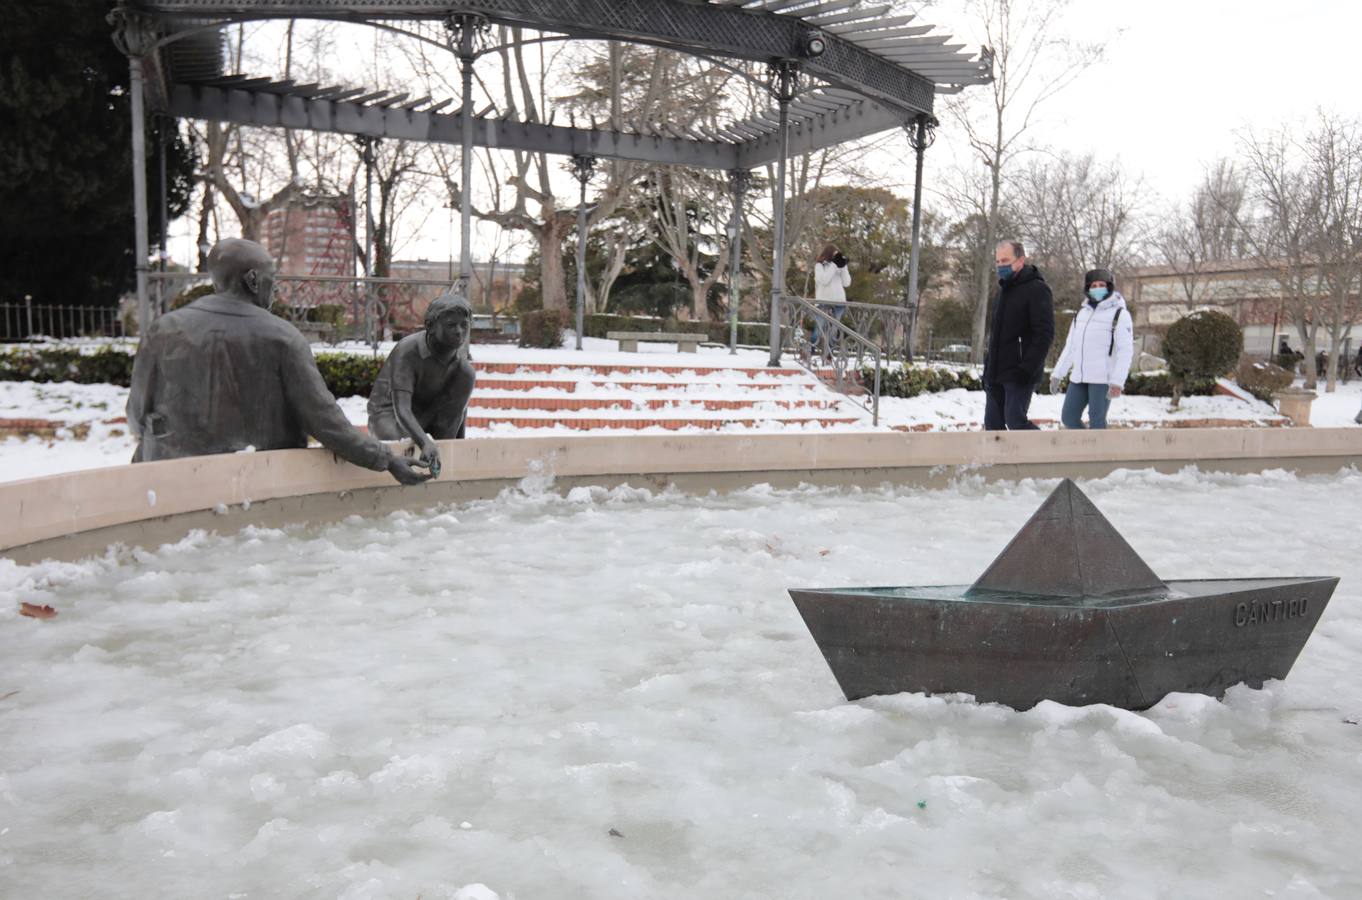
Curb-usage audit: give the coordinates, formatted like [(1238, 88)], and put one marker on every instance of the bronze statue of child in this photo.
[(423, 389)]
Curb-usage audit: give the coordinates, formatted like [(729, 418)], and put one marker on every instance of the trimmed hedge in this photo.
[(542, 328), (1200, 345), (910, 381), (349, 374), (345, 374), (106, 365), (1263, 379)]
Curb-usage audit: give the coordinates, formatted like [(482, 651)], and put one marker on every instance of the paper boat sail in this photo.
[(1067, 612)]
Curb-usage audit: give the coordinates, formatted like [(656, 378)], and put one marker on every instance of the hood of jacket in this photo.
[(1025, 274)]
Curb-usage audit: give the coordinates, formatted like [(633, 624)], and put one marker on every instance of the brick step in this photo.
[(510, 368), (577, 424), (526, 384), (549, 404)]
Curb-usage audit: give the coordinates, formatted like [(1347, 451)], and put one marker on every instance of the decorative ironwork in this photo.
[(839, 356), (468, 33), (703, 28), (921, 131), (739, 182), (134, 34), (583, 167)]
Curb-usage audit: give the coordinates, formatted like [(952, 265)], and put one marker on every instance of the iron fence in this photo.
[(30, 322), (835, 347), (332, 308)]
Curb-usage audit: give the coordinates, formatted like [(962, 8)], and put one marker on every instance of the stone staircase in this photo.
[(588, 396)]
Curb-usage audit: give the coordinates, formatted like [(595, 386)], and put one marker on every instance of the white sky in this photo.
[(1179, 78)]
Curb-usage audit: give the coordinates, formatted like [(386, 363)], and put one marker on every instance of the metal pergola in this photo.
[(836, 70)]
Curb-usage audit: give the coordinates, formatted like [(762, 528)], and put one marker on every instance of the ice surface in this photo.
[(610, 695)]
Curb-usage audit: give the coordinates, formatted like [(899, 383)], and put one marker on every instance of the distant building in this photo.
[(1242, 289), (313, 236), (492, 288)]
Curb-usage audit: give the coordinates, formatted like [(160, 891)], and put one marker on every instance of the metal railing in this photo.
[(28, 322), (837, 347), (333, 308), (888, 326)]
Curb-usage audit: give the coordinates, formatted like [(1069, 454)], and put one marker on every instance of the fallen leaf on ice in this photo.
[(34, 611), (824, 552)]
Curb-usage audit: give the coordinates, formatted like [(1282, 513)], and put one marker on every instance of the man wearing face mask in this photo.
[(1022, 328), (1097, 353), (224, 374)]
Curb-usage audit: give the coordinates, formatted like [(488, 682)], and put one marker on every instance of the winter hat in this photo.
[(1099, 275)]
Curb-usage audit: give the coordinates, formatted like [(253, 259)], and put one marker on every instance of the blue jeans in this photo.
[(836, 310), (1005, 406), (1094, 397)]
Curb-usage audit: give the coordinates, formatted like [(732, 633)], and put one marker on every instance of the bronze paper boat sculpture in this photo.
[(1067, 612)]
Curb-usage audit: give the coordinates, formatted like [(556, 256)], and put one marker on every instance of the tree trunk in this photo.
[(552, 279), (980, 326)]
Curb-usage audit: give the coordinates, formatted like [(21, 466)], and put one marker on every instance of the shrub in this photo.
[(910, 381), (542, 328), (1263, 379), (1160, 384), (349, 374), (1204, 344), (108, 365), (189, 295)]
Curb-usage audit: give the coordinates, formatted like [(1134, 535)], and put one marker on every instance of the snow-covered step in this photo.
[(478, 420), (522, 383), (511, 368), (484, 400)]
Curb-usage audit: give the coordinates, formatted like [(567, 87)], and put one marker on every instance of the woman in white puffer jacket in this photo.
[(1096, 354)]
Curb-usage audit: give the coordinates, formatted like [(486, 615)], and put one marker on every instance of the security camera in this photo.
[(815, 44)]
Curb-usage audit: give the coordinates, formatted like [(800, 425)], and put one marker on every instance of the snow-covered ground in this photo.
[(610, 695), (109, 443)]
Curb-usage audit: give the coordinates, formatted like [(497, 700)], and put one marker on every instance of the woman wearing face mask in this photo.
[(1096, 354)]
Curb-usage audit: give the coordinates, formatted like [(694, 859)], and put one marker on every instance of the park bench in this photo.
[(685, 343)]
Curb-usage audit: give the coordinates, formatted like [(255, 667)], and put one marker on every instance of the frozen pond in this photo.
[(610, 695)]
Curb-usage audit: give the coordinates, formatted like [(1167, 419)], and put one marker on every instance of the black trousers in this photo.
[(1005, 406)]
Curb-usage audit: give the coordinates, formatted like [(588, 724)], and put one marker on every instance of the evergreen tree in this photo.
[(66, 206)]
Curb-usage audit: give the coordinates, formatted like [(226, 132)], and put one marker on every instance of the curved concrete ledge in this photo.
[(79, 513)]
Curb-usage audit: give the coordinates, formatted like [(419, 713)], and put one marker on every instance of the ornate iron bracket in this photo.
[(469, 33), (739, 182), (921, 131), (583, 167), (135, 35), (782, 79)]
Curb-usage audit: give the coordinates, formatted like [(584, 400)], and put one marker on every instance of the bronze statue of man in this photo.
[(423, 389), (223, 374)]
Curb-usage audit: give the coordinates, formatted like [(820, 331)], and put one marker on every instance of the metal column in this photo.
[(921, 133), (582, 167), (739, 180), (464, 29), (139, 186), (786, 74)]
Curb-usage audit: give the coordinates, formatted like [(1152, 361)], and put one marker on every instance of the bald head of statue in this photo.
[(242, 270)]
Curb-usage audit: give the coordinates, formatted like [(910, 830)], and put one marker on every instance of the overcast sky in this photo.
[(1180, 77), (1177, 81)]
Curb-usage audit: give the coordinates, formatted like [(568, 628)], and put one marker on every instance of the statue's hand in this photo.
[(407, 470), (430, 455)]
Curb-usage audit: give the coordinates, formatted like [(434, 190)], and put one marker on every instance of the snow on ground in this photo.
[(610, 695)]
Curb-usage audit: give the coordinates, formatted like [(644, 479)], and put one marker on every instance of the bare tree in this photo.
[(1077, 213), (1277, 224), (1203, 232), (1333, 161), (1032, 63)]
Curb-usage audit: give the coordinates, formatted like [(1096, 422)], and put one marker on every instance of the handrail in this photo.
[(838, 350)]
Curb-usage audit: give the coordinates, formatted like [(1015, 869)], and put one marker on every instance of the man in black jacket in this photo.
[(1023, 325)]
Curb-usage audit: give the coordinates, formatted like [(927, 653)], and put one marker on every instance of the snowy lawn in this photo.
[(610, 695)]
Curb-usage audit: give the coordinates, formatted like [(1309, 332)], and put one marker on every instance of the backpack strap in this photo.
[(1114, 319)]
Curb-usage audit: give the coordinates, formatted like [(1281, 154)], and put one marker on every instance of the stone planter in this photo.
[(1294, 403)]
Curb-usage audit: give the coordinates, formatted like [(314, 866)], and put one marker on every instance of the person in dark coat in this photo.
[(1021, 331)]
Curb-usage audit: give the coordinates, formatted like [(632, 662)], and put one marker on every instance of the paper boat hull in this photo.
[(1198, 636)]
